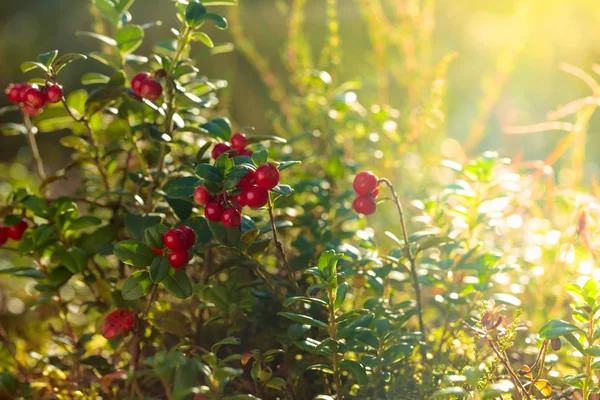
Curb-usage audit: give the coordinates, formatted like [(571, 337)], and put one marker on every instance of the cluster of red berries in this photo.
[(178, 241), (31, 98), (14, 232), (146, 87), (365, 186), (117, 322), (238, 144), (252, 191)]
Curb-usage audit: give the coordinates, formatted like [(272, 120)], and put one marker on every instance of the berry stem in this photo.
[(34, 148), (411, 260), (281, 251)]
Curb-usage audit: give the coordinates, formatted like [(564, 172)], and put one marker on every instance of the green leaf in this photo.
[(23, 271), (557, 328), (593, 351), (129, 38), (218, 127), (194, 14), (303, 319), (284, 190), (450, 392), (172, 321), (266, 138), (357, 369), (154, 235), (44, 234), (340, 295), (367, 337), (74, 142), (182, 187), (209, 172), (303, 299), (241, 397), (260, 157), (204, 38), (159, 269), (65, 60), (104, 39), (574, 342), (178, 284), (12, 129), (327, 263), (83, 222), (137, 285), (503, 298), (48, 58), (287, 164), (91, 78), (397, 352), (31, 65), (134, 253), (38, 206), (353, 314), (228, 340), (136, 224), (496, 389)]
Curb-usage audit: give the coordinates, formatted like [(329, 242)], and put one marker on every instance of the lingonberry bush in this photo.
[(199, 259)]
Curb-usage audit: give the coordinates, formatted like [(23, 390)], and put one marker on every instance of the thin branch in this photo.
[(281, 251), (31, 131), (412, 261), (508, 367), (13, 352)]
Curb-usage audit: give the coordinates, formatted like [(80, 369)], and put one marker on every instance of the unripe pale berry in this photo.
[(179, 258), (364, 205), (151, 89), (255, 197), (136, 82), (54, 94), (267, 176), (219, 149), (239, 141), (213, 211), (34, 98), (201, 195), (190, 236), (174, 239), (231, 218), (364, 183)]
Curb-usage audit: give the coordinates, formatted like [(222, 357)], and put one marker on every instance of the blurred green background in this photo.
[(506, 71)]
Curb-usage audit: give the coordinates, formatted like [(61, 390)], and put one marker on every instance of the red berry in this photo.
[(213, 211), (174, 239), (13, 91), (179, 258), (239, 200), (256, 197), (201, 195), (247, 180), (15, 232), (34, 98), (231, 218), (364, 183), (30, 110), (156, 251), (136, 82), (3, 235), (364, 205), (375, 193), (267, 176), (54, 94), (190, 236), (24, 87), (239, 141), (117, 322), (151, 89), (219, 149)]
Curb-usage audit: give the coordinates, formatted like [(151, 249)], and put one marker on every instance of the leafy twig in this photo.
[(281, 251)]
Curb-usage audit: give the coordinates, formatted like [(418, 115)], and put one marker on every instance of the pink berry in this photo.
[(267, 176)]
